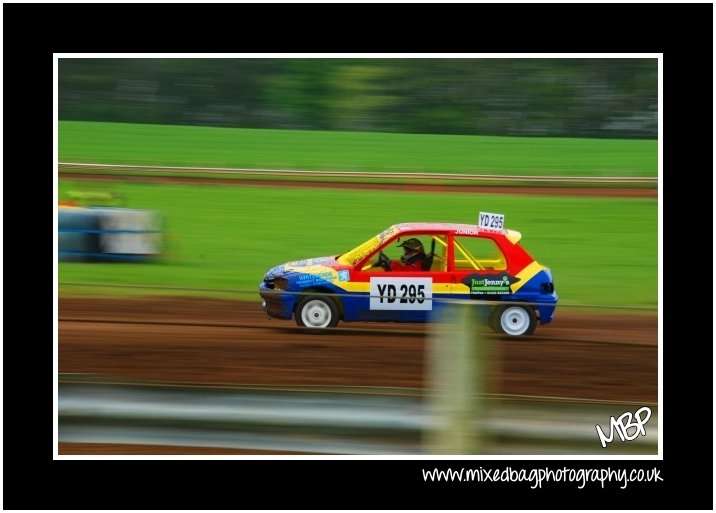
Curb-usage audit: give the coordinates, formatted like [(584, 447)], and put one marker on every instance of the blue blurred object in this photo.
[(90, 234)]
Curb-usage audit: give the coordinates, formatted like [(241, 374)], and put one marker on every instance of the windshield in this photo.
[(355, 255)]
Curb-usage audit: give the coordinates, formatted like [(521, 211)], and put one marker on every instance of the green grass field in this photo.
[(601, 250), (117, 143)]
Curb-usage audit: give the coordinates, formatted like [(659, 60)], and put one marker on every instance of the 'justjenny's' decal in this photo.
[(489, 284)]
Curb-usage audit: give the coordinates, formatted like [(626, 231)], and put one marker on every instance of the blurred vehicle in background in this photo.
[(106, 233), (483, 262)]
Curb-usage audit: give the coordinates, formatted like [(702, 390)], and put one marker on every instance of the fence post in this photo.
[(457, 364)]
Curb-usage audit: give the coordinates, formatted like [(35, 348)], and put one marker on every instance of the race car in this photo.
[(484, 262)]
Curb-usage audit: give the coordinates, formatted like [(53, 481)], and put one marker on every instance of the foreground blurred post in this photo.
[(457, 366)]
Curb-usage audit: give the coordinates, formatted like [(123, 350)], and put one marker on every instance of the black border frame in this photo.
[(32, 33)]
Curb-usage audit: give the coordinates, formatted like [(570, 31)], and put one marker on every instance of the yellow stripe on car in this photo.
[(526, 275)]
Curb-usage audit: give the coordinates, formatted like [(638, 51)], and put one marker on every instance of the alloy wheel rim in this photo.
[(515, 320), (316, 314)]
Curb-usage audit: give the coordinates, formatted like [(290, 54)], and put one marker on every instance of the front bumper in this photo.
[(276, 304)]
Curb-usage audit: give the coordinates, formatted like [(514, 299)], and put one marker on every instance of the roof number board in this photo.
[(491, 221)]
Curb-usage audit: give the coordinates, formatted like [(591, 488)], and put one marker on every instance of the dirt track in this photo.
[(610, 357)]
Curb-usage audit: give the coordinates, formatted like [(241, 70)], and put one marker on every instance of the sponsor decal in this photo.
[(401, 293), (386, 234), (301, 263), (489, 284), (362, 254), (318, 278)]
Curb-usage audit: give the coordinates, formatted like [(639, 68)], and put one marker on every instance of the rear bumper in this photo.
[(545, 309)]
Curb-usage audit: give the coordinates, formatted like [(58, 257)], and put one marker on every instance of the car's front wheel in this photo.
[(317, 312), (515, 320)]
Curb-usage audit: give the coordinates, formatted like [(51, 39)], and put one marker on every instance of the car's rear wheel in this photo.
[(515, 321), (317, 312)]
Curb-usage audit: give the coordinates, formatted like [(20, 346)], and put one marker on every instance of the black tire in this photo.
[(515, 320), (317, 312), (493, 319)]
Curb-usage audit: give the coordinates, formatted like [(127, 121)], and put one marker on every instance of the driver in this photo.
[(413, 256)]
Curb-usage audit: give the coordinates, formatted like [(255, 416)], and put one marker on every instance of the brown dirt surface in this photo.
[(545, 190), (602, 356)]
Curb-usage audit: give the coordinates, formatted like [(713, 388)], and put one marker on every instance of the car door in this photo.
[(406, 295)]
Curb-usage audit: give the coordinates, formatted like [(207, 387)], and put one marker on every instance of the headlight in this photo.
[(275, 282)]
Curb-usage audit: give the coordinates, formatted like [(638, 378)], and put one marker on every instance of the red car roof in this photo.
[(422, 226), (460, 228)]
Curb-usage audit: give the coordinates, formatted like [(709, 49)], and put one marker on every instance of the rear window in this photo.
[(474, 253)]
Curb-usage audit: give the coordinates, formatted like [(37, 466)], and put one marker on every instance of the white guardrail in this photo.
[(334, 422)]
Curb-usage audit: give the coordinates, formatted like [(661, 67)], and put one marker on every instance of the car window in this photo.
[(355, 255), (370, 264), (393, 251), (474, 253), (439, 262)]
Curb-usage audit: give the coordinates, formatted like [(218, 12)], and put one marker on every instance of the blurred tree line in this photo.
[(547, 96)]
